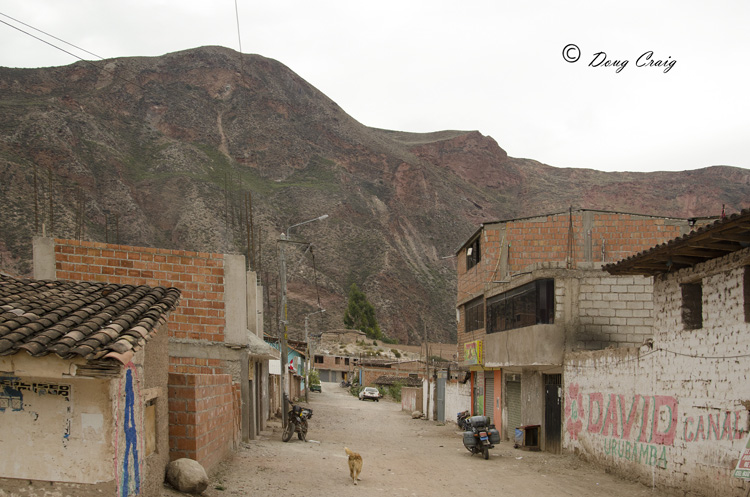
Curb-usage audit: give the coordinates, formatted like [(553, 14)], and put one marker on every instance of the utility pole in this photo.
[(283, 240), (307, 366), (282, 321)]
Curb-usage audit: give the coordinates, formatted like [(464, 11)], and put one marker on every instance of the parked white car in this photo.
[(370, 393)]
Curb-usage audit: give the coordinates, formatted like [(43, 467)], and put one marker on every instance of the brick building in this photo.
[(674, 411), (532, 289), (218, 366)]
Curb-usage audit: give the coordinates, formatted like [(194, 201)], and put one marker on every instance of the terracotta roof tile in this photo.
[(70, 319)]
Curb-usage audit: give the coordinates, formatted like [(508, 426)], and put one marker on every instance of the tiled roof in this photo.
[(72, 319), (409, 381)]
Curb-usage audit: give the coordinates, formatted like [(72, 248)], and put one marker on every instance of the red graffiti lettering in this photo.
[(610, 422), (630, 419), (670, 411), (598, 399)]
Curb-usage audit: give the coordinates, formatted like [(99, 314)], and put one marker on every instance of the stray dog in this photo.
[(355, 464)]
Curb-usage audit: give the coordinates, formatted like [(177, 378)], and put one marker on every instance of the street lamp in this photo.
[(285, 238), (309, 351)]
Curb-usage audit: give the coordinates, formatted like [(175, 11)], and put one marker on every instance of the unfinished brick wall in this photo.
[(200, 431), (586, 236), (676, 414), (199, 275), (202, 413), (583, 239)]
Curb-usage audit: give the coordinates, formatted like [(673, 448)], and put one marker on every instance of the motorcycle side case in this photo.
[(494, 436), (469, 440), (479, 421)]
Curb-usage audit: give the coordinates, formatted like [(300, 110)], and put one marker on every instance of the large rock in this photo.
[(187, 475)]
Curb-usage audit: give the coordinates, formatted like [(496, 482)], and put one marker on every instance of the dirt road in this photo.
[(402, 457)]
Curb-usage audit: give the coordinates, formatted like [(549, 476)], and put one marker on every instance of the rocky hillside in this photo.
[(163, 151)]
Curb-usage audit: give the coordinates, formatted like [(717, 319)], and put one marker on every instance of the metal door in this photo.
[(553, 412), (513, 403), (489, 397)]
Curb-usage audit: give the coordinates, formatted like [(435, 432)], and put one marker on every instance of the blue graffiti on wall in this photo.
[(131, 440)]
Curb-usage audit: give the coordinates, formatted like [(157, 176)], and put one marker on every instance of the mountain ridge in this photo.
[(170, 146)]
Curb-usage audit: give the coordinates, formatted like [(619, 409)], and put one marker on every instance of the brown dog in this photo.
[(355, 464)]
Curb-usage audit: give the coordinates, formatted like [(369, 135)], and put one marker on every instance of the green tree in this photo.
[(360, 314)]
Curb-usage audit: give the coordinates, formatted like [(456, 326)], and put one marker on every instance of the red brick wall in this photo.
[(202, 413), (199, 275)]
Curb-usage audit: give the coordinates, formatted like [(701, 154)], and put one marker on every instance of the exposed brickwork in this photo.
[(202, 410), (609, 310), (199, 275), (595, 237)]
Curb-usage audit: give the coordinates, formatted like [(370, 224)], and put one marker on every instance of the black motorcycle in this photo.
[(296, 421), (481, 436), (462, 420)]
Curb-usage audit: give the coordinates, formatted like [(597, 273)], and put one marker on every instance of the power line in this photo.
[(67, 52), (51, 36)]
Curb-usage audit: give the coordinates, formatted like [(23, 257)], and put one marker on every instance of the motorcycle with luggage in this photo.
[(481, 436), (462, 420), (296, 422)]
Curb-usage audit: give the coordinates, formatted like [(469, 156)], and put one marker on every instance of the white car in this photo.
[(371, 393)]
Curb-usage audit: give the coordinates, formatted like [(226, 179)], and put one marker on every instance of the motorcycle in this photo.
[(462, 420), (296, 422), (481, 436)]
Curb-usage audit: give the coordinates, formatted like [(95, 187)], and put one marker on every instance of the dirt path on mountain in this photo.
[(402, 457)]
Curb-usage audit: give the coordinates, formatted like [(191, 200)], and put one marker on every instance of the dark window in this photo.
[(338, 360), (346, 361), (318, 359), (746, 292), (527, 305), (692, 306), (473, 254), (474, 314)]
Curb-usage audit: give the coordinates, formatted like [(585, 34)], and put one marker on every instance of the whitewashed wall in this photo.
[(674, 414)]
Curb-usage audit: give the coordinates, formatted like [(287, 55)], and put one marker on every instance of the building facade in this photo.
[(531, 290)]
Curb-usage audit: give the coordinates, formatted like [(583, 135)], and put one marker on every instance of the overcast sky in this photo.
[(492, 66)]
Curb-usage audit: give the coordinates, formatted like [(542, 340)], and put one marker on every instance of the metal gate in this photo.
[(489, 397), (553, 412), (513, 401)]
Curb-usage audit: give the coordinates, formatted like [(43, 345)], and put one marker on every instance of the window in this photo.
[(318, 359), (346, 361), (692, 306), (474, 314), (473, 254), (746, 292), (527, 305), (338, 360)]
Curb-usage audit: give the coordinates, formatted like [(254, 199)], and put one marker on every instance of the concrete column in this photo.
[(235, 299), (44, 258)]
